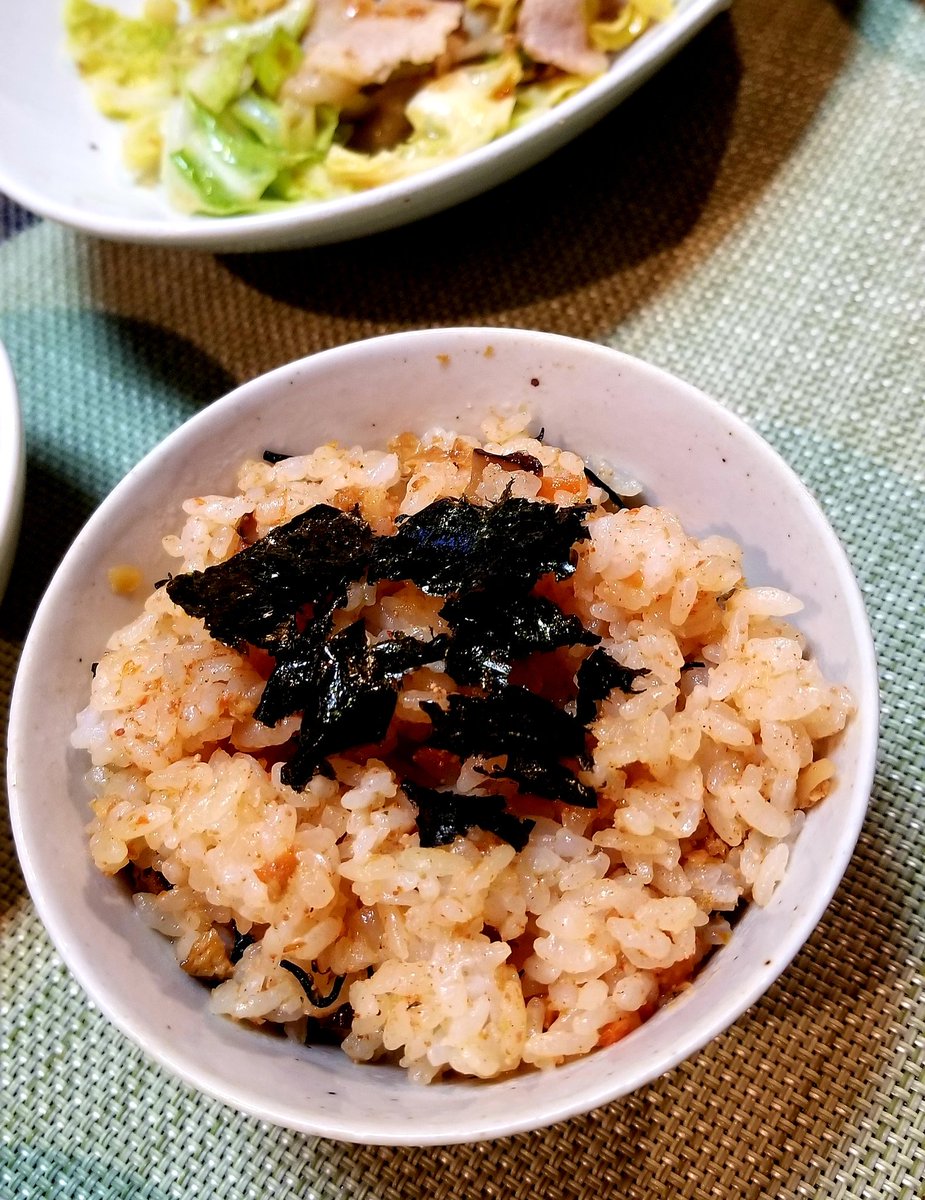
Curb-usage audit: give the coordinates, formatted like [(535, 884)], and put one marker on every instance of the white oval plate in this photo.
[(12, 474), (60, 158), (690, 453)]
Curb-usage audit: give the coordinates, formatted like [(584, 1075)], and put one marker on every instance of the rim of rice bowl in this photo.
[(677, 442)]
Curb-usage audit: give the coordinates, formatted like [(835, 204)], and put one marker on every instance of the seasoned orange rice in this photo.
[(469, 957)]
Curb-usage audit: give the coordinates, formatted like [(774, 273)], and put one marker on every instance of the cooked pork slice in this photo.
[(354, 43), (556, 32)]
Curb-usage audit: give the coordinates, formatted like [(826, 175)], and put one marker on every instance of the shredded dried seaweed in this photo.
[(254, 595), (307, 983), (597, 677), (614, 497), (403, 653), (240, 943), (492, 629), (274, 456), (520, 460), (282, 594), (454, 546), (444, 816), (351, 698), (512, 720), (544, 777), (331, 1029), (292, 686)]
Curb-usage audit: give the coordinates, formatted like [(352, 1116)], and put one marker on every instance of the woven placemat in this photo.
[(754, 221)]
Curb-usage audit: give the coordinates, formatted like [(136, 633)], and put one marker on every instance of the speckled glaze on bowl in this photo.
[(692, 455), (62, 159)]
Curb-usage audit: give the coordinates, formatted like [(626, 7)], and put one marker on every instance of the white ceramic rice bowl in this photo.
[(691, 454)]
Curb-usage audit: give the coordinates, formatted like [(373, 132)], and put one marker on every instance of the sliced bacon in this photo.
[(556, 32), (353, 43)]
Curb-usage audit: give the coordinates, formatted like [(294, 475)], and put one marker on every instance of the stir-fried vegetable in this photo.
[(243, 105)]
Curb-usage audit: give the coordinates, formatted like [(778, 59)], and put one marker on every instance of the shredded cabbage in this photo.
[(455, 113), (128, 63)]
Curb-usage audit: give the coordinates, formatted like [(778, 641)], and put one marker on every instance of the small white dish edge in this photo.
[(12, 468)]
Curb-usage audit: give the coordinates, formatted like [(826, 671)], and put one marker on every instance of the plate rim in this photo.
[(392, 204)]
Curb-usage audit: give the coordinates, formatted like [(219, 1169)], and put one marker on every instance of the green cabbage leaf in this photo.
[(455, 113), (128, 63)]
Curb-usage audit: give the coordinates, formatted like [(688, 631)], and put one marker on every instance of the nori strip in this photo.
[(520, 460), (307, 984), (491, 630), (444, 816), (252, 596), (403, 653), (597, 677), (612, 496), (544, 777), (293, 683), (512, 720), (329, 1030), (455, 546), (274, 456), (241, 942), (353, 696)]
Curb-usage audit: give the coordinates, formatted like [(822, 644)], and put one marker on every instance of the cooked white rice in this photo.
[(469, 957)]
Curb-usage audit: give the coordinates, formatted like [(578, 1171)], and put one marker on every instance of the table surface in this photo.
[(753, 220)]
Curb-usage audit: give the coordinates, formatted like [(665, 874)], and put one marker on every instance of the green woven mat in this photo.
[(754, 220)]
